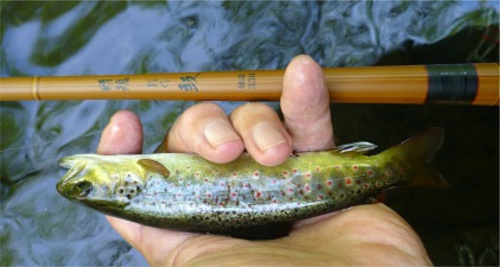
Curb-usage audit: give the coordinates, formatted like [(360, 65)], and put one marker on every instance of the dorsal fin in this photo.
[(154, 166), (357, 147)]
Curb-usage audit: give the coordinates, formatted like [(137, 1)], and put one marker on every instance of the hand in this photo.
[(361, 235)]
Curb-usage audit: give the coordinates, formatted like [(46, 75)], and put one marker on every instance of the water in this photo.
[(459, 226)]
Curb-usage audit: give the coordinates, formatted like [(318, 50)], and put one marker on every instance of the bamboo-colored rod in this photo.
[(476, 84)]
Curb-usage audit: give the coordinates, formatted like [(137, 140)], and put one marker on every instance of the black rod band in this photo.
[(452, 83)]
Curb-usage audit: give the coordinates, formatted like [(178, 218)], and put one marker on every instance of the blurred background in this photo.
[(458, 226)]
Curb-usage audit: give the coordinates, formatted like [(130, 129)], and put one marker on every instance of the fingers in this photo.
[(122, 135), (306, 105), (205, 129), (265, 137)]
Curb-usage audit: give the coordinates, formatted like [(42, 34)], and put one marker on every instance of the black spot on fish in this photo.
[(121, 191), (129, 196)]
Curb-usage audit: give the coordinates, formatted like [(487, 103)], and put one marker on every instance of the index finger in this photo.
[(305, 104)]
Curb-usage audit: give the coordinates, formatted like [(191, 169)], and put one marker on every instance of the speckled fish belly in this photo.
[(188, 193)]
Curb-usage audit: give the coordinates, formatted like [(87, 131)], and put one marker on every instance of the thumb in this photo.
[(305, 104)]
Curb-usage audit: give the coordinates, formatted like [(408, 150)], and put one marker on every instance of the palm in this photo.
[(363, 235)]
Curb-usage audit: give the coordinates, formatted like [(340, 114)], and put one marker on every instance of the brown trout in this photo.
[(243, 198)]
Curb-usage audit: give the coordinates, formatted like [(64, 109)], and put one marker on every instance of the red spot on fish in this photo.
[(282, 193), (233, 194), (258, 194), (317, 168), (320, 197), (206, 180), (329, 183), (274, 181), (348, 181), (197, 173), (369, 173), (388, 173), (246, 185), (307, 188), (355, 167), (290, 190), (285, 173), (209, 195), (377, 184), (294, 170), (365, 185), (275, 201), (222, 204), (222, 184), (308, 175), (256, 174), (235, 173), (358, 181)]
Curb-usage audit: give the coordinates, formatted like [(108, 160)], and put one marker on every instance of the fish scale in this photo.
[(188, 193)]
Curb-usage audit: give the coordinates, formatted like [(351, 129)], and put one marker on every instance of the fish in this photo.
[(185, 192)]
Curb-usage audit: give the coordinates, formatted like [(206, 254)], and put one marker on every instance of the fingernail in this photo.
[(265, 136), (218, 133)]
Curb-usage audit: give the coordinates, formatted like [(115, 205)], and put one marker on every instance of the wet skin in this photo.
[(362, 235)]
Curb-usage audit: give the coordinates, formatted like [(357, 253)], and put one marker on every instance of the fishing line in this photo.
[(51, 141)]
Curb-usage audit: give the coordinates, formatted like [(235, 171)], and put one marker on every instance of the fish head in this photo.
[(101, 182)]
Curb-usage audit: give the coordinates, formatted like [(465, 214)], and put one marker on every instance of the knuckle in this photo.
[(201, 111), (252, 111)]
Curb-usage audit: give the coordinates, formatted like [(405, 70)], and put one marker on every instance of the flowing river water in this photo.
[(459, 226)]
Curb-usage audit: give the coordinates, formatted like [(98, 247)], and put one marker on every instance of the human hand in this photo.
[(361, 235)]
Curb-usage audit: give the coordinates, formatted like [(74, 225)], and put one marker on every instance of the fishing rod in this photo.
[(475, 84)]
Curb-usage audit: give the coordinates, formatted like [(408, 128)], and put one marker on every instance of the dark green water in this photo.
[(459, 226)]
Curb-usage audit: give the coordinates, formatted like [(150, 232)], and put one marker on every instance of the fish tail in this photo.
[(417, 152)]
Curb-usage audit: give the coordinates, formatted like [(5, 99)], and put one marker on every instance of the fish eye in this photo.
[(83, 189)]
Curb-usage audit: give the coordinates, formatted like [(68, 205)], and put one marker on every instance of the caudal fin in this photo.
[(419, 152)]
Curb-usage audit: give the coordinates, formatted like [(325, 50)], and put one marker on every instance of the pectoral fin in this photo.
[(154, 166)]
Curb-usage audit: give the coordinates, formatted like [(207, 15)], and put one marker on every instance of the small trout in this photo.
[(243, 198)]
